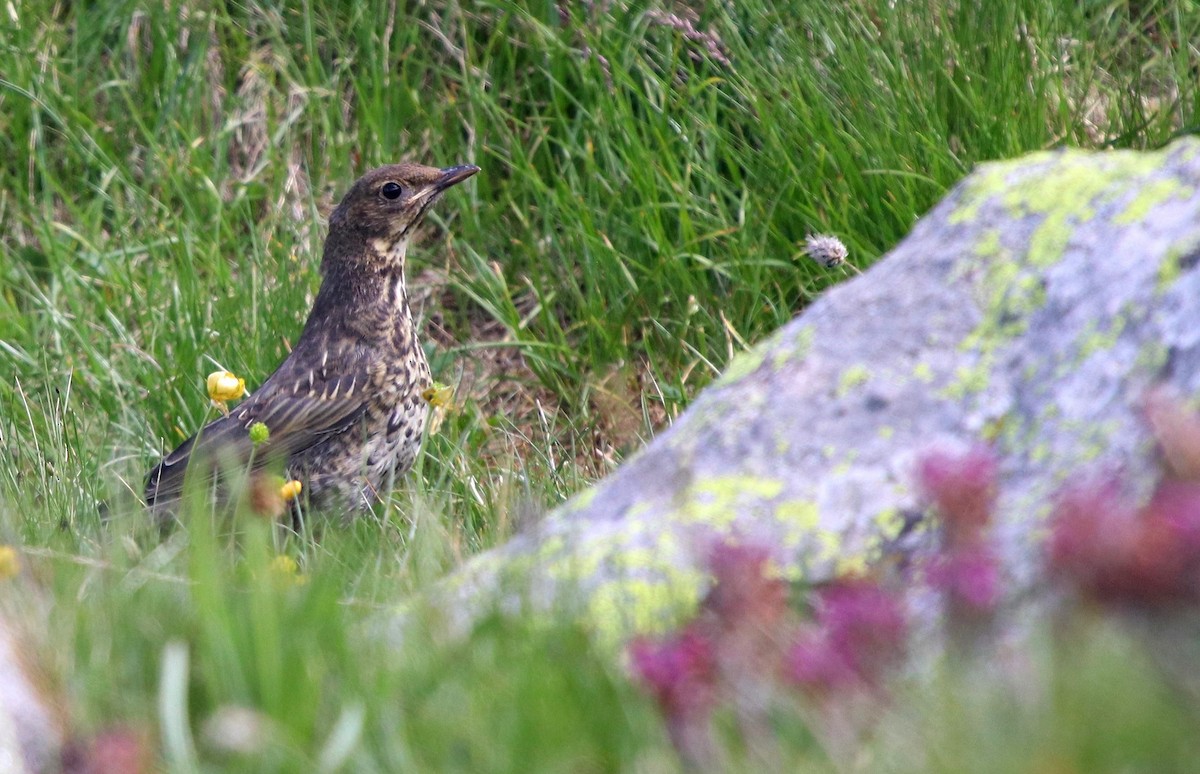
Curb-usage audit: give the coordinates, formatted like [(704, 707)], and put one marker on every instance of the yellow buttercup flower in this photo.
[(284, 564), (284, 568), (224, 386), (438, 395), (440, 398), (10, 562), (290, 490)]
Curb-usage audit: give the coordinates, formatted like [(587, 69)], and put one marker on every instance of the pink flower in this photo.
[(1178, 504), (679, 671), (1116, 556), (969, 576), (863, 624), (963, 487), (815, 665), (115, 751), (1176, 428), (743, 594)]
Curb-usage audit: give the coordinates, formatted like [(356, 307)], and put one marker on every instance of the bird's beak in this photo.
[(453, 176)]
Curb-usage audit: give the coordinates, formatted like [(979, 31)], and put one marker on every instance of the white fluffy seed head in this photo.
[(825, 250)]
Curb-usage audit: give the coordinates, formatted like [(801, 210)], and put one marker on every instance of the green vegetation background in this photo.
[(649, 174)]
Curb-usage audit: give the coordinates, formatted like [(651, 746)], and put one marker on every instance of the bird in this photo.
[(344, 410)]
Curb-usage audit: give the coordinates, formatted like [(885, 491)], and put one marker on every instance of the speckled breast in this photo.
[(394, 444)]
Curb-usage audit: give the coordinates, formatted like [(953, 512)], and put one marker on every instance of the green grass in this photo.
[(638, 220)]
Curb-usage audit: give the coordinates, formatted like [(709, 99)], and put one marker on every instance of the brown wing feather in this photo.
[(296, 414)]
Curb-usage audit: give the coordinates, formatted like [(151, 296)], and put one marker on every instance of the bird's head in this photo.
[(384, 207)]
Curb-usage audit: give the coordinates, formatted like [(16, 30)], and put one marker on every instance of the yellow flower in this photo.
[(223, 386), (290, 490), (440, 398), (284, 565), (284, 568), (438, 395), (10, 562)]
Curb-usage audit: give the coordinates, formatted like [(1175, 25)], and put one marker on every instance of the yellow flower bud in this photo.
[(284, 569), (438, 395), (290, 490), (223, 386), (259, 433), (284, 565), (10, 562)]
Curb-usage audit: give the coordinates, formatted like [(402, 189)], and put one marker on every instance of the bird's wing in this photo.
[(299, 405)]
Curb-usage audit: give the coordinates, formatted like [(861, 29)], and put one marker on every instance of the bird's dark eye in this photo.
[(391, 190)]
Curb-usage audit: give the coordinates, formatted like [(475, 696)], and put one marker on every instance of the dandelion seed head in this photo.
[(829, 251)]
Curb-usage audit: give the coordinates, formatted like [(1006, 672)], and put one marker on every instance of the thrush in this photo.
[(344, 410)]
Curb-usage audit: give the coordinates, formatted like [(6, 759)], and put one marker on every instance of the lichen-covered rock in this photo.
[(1031, 309)]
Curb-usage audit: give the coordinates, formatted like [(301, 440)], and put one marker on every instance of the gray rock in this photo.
[(1032, 309)]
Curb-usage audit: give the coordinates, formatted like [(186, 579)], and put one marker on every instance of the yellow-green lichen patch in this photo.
[(575, 562), (1047, 243), (1094, 340), (799, 519), (1172, 263), (832, 556), (749, 361), (994, 429), (639, 548), (886, 432), (743, 364), (857, 564), (580, 501), (989, 245), (1092, 439), (1099, 440), (1149, 197), (1012, 294), (1169, 270), (1152, 357), (828, 546), (620, 608), (854, 376), (1007, 434), (551, 547), (1069, 192), (483, 565), (969, 380), (796, 352), (923, 372), (889, 522), (719, 500), (987, 180), (1065, 187)]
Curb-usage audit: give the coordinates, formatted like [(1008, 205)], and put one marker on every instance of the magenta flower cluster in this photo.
[(1103, 547), (963, 489), (679, 671), (860, 631), (1111, 551)]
